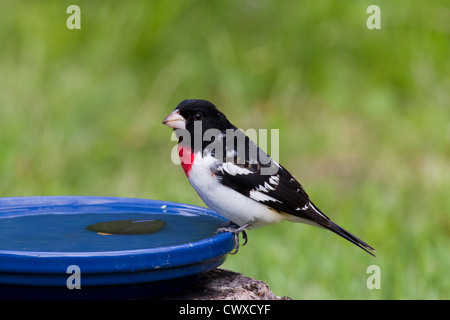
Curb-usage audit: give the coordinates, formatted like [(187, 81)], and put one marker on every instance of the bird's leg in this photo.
[(228, 224), (236, 230)]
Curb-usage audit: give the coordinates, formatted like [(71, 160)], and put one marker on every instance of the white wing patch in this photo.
[(260, 192), (268, 186), (305, 207), (260, 196), (274, 180), (233, 169)]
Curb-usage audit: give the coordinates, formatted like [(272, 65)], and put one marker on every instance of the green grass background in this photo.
[(364, 120)]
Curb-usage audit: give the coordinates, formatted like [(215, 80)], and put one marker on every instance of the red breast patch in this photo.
[(187, 159)]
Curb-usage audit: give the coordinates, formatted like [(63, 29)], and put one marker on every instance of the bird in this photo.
[(237, 179)]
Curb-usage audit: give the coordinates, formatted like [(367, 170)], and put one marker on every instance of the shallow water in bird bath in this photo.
[(56, 231)]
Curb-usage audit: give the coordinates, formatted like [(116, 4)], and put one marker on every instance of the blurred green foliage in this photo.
[(363, 115)]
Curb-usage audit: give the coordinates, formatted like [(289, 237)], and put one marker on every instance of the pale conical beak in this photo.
[(175, 120)]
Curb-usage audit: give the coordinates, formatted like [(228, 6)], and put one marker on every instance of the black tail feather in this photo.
[(350, 237)]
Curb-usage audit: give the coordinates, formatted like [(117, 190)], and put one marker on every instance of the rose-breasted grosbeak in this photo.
[(238, 180)]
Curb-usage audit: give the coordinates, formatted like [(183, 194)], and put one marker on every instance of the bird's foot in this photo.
[(235, 230)]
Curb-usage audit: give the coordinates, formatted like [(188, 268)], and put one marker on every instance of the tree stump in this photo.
[(221, 284)]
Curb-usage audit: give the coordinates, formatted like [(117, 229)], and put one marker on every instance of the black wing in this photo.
[(264, 180), (256, 175)]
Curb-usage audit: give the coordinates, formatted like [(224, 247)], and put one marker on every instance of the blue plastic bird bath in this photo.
[(49, 246)]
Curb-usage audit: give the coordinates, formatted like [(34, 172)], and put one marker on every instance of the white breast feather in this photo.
[(227, 202)]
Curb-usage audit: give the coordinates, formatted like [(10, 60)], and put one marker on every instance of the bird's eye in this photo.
[(198, 116)]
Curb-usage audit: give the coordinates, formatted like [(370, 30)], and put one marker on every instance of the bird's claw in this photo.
[(235, 230)]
